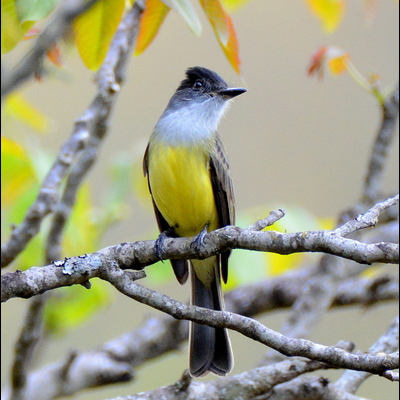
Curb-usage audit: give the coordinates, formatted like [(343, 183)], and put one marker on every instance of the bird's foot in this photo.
[(198, 241), (160, 242)]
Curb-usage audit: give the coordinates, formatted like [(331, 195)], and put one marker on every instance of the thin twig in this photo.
[(381, 147), (350, 381), (25, 346)]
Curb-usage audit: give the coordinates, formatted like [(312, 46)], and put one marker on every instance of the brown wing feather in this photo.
[(223, 194), (180, 267)]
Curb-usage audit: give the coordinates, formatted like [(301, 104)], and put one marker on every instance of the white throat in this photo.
[(192, 123)]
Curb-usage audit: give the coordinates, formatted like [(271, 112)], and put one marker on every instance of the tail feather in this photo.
[(210, 348)]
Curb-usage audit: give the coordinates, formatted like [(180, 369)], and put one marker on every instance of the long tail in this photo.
[(210, 348)]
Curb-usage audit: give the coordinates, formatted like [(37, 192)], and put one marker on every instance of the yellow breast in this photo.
[(181, 186)]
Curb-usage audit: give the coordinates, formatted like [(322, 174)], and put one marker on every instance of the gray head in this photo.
[(202, 84), (197, 105)]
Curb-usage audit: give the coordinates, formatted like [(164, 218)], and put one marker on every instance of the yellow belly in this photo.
[(181, 187)]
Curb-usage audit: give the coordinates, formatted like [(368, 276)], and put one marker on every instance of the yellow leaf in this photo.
[(233, 5), (95, 29), (150, 22), (18, 107), (17, 174), (12, 31), (224, 30), (329, 12)]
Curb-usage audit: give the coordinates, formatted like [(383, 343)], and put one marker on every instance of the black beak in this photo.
[(231, 92)]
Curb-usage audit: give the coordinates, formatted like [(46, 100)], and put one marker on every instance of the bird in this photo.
[(192, 193)]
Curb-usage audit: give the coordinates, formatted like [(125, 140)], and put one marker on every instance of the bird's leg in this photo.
[(160, 242), (198, 241)]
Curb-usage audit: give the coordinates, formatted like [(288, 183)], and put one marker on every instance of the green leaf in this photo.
[(34, 10), (185, 8), (12, 31)]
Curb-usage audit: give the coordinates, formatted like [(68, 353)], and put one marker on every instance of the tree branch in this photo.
[(320, 289), (116, 360), (32, 62), (24, 348), (95, 121), (122, 281), (93, 125), (139, 254), (89, 129), (253, 384), (350, 381), (380, 150)]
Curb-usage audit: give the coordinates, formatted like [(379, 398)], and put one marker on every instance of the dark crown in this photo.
[(210, 79)]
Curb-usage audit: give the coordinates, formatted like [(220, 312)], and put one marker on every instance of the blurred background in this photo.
[(293, 142)]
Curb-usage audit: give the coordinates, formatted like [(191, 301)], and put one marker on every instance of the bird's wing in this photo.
[(223, 194)]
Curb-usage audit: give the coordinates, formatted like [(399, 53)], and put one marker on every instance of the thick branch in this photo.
[(135, 255), (253, 384), (250, 328), (117, 359)]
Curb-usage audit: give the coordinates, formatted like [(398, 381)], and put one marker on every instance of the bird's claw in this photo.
[(160, 242), (198, 241), (160, 245)]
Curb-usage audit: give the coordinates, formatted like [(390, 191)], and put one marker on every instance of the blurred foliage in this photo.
[(70, 307), (93, 30), (24, 164), (18, 109), (329, 12), (21, 171)]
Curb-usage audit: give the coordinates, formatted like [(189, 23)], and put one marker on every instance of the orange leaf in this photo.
[(316, 66), (150, 23), (224, 30), (54, 55), (338, 63), (335, 59), (32, 33)]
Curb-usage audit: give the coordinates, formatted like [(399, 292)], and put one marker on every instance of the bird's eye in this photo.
[(197, 85)]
